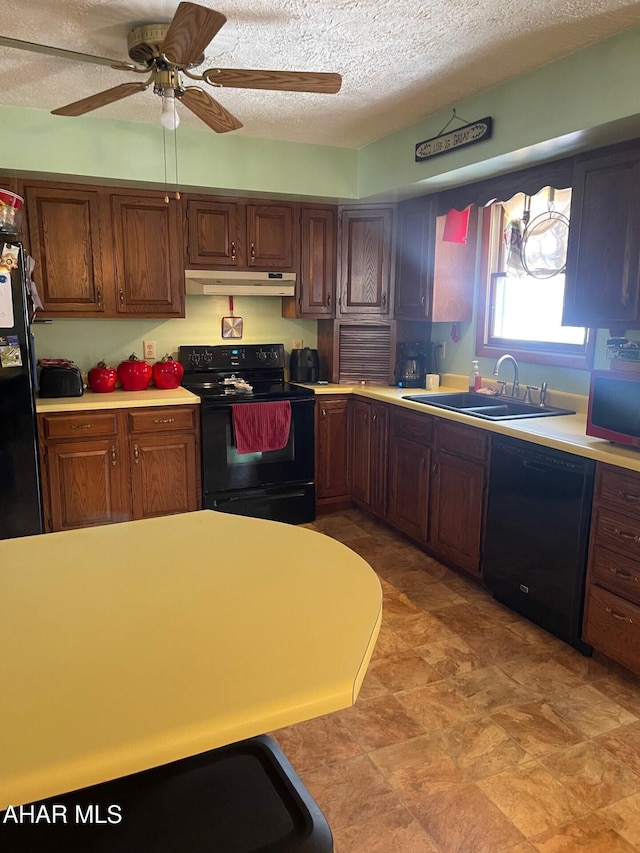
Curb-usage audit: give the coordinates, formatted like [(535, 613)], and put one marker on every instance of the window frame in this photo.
[(540, 353)]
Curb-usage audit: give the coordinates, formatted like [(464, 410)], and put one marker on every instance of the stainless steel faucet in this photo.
[(515, 391)]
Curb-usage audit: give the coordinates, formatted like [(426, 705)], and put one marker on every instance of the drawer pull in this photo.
[(136, 454), (619, 616), (114, 455), (626, 576), (82, 426), (629, 537), (164, 420), (627, 496)]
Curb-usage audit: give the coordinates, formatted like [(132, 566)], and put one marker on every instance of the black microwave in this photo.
[(614, 406)]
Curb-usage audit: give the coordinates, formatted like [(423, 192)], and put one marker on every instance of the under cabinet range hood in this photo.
[(239, 283)]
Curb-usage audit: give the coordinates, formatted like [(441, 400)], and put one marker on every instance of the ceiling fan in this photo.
[(167, 53)]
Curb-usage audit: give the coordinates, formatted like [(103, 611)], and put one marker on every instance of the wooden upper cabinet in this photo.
[(603, 269), (365, 272), (435, 278), (65, 241), (147, 255), (213, 238), (271, 237), (414, 258), (238, 234), (316, 280)]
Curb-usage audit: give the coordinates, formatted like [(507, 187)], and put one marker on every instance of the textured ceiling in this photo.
[(400, 61)]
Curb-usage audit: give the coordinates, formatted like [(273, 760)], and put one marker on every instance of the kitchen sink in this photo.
[(485, 406)]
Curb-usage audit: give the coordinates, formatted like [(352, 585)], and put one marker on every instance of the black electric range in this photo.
[(274, 484)]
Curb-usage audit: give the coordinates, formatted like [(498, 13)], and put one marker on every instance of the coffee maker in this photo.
[(412, 365)]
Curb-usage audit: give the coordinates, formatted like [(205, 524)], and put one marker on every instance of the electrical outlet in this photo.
[(149, 349), (440, 348), (296, 343)]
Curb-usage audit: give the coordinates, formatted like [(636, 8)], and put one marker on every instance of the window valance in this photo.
[(530, 181)]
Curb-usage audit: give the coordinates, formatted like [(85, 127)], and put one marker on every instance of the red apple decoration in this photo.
[(102, 379), (134, 375), (167, 373)]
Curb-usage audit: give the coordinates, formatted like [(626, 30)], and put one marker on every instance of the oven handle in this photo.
[(294, 493)]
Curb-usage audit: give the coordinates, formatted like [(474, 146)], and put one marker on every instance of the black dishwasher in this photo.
[(536, 535)]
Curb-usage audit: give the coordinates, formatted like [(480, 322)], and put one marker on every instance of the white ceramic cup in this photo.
[(432, 382)]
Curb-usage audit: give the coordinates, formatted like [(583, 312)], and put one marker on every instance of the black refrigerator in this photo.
[(20, 508)]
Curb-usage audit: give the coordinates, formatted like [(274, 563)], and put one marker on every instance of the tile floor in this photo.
[(475, 731)]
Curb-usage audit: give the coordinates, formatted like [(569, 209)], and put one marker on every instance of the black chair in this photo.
[(241, 798)]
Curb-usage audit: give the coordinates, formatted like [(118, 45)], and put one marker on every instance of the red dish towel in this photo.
[(261, 426)]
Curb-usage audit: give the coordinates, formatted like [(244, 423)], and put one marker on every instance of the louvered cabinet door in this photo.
[(366, 353)]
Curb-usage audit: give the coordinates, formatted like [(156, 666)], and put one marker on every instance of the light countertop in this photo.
[(563, 432), (117, 399), (131, 645)]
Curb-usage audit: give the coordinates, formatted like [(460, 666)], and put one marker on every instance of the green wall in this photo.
[(88, 341), (581, 101)]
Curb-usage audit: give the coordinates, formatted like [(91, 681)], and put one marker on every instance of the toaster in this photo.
[(60, 381)]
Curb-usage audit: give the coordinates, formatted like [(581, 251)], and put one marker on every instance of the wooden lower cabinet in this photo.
[(83, 484), (409, 465), (458, 487), (368, 438), (333, 488), (97, 468), (612, 602), (163, 474)]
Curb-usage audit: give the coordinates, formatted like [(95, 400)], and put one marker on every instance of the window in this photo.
[(522, 282)]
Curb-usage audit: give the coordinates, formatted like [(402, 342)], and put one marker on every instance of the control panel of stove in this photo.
[(224, 357)]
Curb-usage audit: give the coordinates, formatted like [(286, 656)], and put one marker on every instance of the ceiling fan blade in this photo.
[(286, 81), (101, 99), (210, 111), (190, 31), (60, 52)]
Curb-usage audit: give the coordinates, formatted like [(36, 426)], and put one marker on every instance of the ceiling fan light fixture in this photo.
[(169, 117)]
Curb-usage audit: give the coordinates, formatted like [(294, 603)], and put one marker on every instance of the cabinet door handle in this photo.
[(627, 496), (375, 417), (136, 453), (82, 426), (324, 413), (114, 455), (164, 420), (328, 300), (625, 576), (121, 294), (253, 251), (99, 296), (629, 537), (619, 616), (233, 250), (384, 299)]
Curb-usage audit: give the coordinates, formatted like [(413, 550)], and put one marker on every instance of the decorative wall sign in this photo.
[(468, 134)]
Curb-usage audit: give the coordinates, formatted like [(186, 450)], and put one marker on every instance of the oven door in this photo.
[(226, 470)]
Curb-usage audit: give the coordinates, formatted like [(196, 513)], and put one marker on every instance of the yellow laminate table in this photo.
[(128, 646)]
